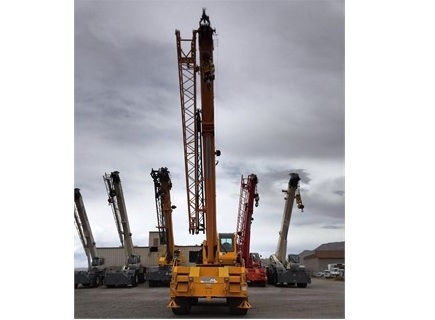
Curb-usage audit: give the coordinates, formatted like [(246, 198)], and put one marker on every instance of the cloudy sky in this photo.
[(279, 108)]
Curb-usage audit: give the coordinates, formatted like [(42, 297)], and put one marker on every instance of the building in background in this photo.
[(115, 256), (317, 260)]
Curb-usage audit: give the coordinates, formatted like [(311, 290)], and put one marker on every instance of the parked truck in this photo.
[(334, 270)]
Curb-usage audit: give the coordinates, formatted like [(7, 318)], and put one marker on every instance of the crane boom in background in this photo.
[(255, 272), (280, 270), (133, 272), (96, 264), (161, 275)]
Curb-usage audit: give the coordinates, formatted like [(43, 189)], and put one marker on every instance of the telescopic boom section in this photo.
[(248, 196), (292, 193), (96, 265), (205, 41), (116, 200), (84, 228), (163, 186), (198, 133)]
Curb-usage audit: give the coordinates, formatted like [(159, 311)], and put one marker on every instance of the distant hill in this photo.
[(331, 246), (306, 253)]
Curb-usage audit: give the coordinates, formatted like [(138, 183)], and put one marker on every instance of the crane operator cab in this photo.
[(133, 261), (178, 257), (227, 248), (97, 262)]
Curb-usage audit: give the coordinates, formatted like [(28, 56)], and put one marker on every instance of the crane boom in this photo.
[(96, 264), (162, 274), (205, 41), (248, 195), (133, 272), (198, 133), (255, 272), (291, 192), (116, 200), (162, 187), (192, 140), (283, 271), (84, 228), (80, 230)]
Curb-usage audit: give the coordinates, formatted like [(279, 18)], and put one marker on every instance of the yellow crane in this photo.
[(219, 271), (161, 275)]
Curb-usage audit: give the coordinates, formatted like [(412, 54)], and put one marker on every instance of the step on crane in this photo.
[(161, 275), (255, 272), (282, 271), (133, 272), (94, 276), (219, 271)]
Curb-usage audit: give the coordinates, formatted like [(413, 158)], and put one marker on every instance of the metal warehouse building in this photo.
[(318, 259), (115, 256)]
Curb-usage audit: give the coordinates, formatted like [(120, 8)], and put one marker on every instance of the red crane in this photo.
[(255, 273)]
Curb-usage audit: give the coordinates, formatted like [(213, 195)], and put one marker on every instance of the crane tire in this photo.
[(233, 303), (184, 308)]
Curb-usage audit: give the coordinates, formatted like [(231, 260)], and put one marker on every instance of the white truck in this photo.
[(334, 270)]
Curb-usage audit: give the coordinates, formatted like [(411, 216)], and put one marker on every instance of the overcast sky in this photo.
[(279, 108)]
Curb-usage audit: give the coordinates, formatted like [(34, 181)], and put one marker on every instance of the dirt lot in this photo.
[(322, 299)]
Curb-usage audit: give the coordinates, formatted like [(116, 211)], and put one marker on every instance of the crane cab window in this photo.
[(133, 259), (226, 242), (255, 257)]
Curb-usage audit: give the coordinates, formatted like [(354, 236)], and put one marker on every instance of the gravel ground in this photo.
[(322, 299)]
